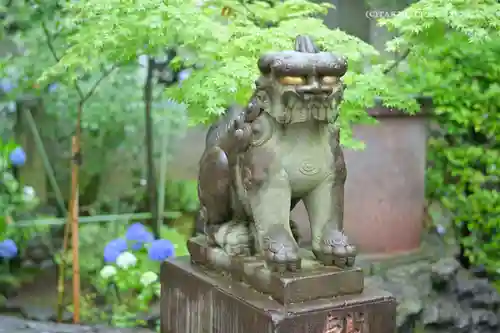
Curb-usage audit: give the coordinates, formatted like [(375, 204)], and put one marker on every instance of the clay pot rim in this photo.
[(381, 111)]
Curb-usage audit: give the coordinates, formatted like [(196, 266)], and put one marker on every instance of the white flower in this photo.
[(148, 278), (157, 289), (126, 260), (29, 193), (107, 272)]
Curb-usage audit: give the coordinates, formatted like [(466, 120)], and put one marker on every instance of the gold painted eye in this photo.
[(292, 80), (329, 80)]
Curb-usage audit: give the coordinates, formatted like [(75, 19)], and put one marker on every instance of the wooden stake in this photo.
[(74, 211), (74, 227)]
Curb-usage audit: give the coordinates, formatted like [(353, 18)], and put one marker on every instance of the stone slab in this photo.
[(199, 300), (313, 281)]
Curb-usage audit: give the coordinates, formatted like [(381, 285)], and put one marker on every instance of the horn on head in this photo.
[(304, 43)]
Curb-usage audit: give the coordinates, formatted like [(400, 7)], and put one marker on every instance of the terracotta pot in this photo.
[(385, 199)]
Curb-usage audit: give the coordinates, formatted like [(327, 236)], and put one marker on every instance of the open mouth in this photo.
[(305, 98), (312, 96), (301, 106)]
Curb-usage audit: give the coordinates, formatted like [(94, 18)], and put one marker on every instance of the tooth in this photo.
[(322, 116)]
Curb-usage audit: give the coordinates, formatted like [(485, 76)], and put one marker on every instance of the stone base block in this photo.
[(313, 281), (198, 300)]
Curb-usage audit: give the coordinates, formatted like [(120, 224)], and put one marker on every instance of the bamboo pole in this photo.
[(94, 219), (49, 170)]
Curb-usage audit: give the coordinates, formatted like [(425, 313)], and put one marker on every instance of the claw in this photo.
[(281, 251), (335, 250)]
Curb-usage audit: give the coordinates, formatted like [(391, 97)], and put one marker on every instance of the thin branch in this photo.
[(104, 75), (252, 15), (50, 42), (254, 18), (397, 62)]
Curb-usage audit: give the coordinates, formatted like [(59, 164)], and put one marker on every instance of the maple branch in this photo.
[(397, 62), (83, 97)]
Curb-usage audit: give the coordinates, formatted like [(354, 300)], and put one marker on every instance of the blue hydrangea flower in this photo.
[(184, 74), (17, 157), (161, 250), (52, 87), (6, 85), (8, 249), (113, 249), (441, 230), (138, 235)]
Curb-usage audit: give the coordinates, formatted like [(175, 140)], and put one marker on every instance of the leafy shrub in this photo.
[(182, 195), (14, 199), (467, 150), (454, 57)]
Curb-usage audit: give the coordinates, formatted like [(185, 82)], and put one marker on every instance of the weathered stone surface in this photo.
[(443, 273), (440, 297), (17, 325)]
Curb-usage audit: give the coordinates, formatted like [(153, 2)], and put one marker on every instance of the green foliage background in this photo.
[(454, 57), (224, 49)]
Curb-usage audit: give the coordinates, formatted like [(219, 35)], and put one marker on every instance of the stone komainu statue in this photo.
[(262, 159)]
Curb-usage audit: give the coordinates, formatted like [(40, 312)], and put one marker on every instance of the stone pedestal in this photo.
[(201, 300), (313, 281)]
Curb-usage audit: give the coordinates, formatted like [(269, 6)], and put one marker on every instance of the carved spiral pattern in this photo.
[(308, 169)]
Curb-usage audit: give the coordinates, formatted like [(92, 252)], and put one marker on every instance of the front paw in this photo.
[(334, 249), (280, 250)]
